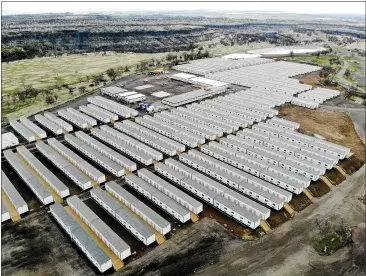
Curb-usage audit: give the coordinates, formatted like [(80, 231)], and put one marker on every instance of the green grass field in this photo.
[(47, 72)]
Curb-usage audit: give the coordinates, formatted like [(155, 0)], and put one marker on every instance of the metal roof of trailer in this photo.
[(14, 161), (40, 168), (110, 114), (103, 135), (84, 117), (72, 118), (142, 207), (48, 124), (13, 195), (107, 199), (58, 121), (82, 208), (159, 195), (4, 210), (172, 189), (141, 183), (32, 126), (94, 113), (135, 223), (64, 216), (22, 130), (236, 208), (122, 212), (123, 193), (90, 246)]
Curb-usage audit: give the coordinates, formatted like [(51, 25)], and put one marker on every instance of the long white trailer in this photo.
[(22, 130), (110, 153), (33, 127), (102, 230), (219, 188), (223, 118), (65, 126), (107, 113), (69, 170), (15, 198), (4, 213), (160, 199), (68, 116), (201, 116), (29, 179), (122, 146), (123, 216), (294, 183), (142, 210), (241, 214), (150, 139), (82, 239), (121, 110), (175, 129), (76, 160), (91, 121), (266, 193), (60, 188), (96, 156), (55, 129), (95, 114), (167, 131), (207, 133), (182, 198), (156, 155)]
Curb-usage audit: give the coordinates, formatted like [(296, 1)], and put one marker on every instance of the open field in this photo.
[(47, 72)]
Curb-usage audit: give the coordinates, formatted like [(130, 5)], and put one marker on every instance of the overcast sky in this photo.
[(87, 7)]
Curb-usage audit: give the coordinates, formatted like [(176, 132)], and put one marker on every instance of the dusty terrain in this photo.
[(335, 126), (288, 251)]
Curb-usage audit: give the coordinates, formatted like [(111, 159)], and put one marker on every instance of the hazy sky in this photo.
[(86, 7)]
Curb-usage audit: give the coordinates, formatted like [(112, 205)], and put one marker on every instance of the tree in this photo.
[(71, 90), (347, 73), (292, 54), (82, 89), (49, 99), (127, 69), (111, 73), (97, 79)]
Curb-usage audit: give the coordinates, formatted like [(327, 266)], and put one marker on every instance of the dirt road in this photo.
[(288, 251), (341, 72)]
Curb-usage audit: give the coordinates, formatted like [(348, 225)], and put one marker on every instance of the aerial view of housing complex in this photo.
[(227, 140)]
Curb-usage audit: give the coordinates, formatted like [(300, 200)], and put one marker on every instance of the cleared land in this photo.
[(335, 126)]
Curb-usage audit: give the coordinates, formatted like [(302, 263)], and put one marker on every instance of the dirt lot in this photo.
[(335, 126), (311, 79)]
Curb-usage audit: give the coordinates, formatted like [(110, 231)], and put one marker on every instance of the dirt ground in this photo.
[(335, 126), (288, 249), (311, 79), (318, 188)]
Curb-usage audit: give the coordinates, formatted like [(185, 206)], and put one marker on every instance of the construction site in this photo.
[(178, 172)]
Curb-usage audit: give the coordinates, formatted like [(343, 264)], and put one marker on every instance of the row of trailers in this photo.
[(99, 109), (140, 220), (12, 203)]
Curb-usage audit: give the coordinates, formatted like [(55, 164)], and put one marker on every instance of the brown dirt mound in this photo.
[(318, 189), (311, 79), (351, 165), (336, 127), (300, 202), (278, 217), (335, 176)]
